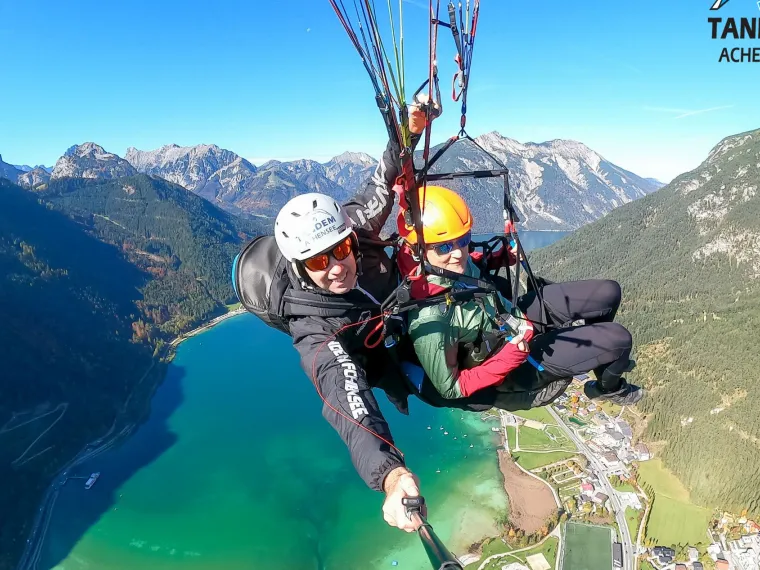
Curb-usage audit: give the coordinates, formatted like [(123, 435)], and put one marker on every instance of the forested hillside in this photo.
[(182, 241), (688, 259), (95, 276), (67, 303)]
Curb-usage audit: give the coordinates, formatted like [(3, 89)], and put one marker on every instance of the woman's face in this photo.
[(450, 255)]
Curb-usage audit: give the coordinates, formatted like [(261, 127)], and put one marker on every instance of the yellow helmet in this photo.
[(445, 216)]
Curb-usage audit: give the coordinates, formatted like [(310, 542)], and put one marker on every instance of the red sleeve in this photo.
[(493, 370), (496, 259)]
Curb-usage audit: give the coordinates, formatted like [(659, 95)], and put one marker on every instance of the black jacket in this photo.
[(336, 359)]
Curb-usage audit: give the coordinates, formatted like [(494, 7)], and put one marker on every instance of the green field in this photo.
[(673, 518), (623, 487), (530, 461), (564, 477), (567, 492), (632, 519), (587, 547), (538, 414), (610, 409), (557, 433), (672, 522), (662, 481), (548, 549), (511, 432), (536, 440), (493, 546)]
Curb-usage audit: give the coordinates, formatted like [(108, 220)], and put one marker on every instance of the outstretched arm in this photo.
[(369, 208), (349, 404)]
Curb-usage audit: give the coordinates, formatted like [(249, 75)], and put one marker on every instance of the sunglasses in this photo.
[(449, 246), (322, 261)]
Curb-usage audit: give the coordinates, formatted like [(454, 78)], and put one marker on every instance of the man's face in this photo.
[(339, 268)]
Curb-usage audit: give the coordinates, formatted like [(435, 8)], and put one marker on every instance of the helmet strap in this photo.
[(300, 271)]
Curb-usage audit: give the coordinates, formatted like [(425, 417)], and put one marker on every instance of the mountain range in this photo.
[(557, 185), (106, 258), (688, 260)]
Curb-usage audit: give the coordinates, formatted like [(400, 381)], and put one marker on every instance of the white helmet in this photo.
[(310, 224)]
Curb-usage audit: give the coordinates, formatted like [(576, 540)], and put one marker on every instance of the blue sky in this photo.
[(639, 82)]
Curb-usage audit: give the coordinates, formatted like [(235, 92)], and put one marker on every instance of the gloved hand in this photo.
[(418, 115), (398, 484), (525, 332)]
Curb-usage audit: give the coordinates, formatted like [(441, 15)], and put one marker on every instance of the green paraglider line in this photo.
[(463, 31)]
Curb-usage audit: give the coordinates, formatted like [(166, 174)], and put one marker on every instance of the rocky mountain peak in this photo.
[(90, 160), (348, 157)]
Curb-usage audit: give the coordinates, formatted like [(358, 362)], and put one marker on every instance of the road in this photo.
[(30, 556), (36, 539), (629, 550)]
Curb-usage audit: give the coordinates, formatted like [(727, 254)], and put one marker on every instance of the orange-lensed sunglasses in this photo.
[(321, 261)]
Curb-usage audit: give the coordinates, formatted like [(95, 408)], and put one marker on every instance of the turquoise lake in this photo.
[(236, 469)]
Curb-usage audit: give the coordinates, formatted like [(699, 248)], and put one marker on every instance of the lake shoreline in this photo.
[(146, 387), (30, 555)]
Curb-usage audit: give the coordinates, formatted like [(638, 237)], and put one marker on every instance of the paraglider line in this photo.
[(316, 384)]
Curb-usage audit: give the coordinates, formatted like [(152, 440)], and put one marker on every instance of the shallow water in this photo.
[(237, 469)]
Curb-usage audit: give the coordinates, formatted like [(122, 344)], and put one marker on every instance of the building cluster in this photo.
[(740, 554), (611, 439), (663, 558), (592, 491)]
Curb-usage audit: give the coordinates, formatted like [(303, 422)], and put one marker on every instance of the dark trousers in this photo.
[(562, 349), (565, 350)]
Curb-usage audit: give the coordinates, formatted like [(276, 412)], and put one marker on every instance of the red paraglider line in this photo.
[(316, 384)]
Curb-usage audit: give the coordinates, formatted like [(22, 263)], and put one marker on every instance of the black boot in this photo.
[(614, 388), (513, 401)]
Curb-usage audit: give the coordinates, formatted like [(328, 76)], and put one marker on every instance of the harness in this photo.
[(393, 108)]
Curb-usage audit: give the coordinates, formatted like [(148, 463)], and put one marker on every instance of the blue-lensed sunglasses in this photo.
[(449, 246)]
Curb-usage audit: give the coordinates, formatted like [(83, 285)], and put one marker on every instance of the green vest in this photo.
[(440, 332)]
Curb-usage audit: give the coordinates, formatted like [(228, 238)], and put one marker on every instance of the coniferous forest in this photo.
[(688, 260), (95, 277)]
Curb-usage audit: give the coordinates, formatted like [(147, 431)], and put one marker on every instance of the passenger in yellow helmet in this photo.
[(462, 347)]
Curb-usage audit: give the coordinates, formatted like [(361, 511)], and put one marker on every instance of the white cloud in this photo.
[(682, 113), (699, 112)]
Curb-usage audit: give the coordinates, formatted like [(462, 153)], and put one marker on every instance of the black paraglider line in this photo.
[(410, 180)]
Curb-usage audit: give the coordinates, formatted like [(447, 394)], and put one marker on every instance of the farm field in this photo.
[(537, 414), (530, 461), (537, 440), (674, 518)]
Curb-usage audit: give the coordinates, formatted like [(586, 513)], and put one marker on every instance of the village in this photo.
[(598, 485)]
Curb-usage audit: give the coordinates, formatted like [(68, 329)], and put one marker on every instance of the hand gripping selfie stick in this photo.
[(439, 555)]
